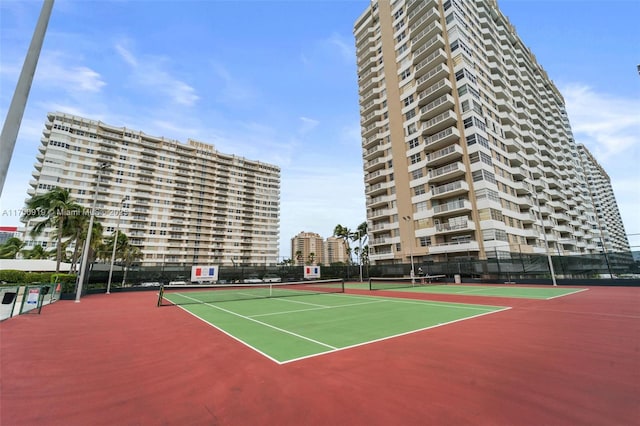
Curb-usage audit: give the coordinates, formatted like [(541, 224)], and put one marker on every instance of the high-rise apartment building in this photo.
[(187, 203), (467, 148), (335, 251), (307, 248), (612, 237)]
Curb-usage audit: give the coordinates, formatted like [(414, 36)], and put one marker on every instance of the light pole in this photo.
[(408, 219), (115, 242), (11, 125), (360, 252), (544, 233), (87, 243)]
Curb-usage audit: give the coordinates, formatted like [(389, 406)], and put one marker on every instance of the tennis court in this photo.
[(286, 325), (515, 291)]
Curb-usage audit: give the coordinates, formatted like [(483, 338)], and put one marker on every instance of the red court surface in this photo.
[(119, 360)]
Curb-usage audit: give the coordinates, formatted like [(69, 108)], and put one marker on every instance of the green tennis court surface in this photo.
[(477, 290), (287, 329)]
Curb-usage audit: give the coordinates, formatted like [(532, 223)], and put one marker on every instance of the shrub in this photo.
[(12, 276), (37, 277), (68, 281)]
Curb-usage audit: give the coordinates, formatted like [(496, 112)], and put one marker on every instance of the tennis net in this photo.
[(381, 283), (194, 294)]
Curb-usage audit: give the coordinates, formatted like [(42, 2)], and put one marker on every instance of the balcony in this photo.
[(435, 90), (449, 190), (448, 228), (421, 11), (430, 46), (375, 164), (439, 122), (444, 155), (379, 201), (454, 246), (378, 213), (370, 118), (426, 65), (450, 208), (377, 189), (375, 151), (377, 176), (442, 139), (437, 106), (448, 172)]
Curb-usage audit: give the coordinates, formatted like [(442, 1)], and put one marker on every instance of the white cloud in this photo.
[(345, 48), (150, 72), (126, 55), (308, 124), (55, 70), (608, 125), (232, 89)]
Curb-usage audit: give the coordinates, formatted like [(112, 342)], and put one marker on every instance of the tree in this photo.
[(52, 208), (360, 236), (105, 250), (130, 255), (312, 258), (38, 252), (345, 234), (11, 248), (299, 257), (77, 229)]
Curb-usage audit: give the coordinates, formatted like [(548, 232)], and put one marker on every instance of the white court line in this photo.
[(296, 301), (264, 323), (332, 349), (393, 336), (320, 307), (566, 294), (424, 302)]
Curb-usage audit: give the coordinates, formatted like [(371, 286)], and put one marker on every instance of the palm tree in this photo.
[(54, 206), (344, 233), (11, 248), (77, 228), (129, 255), (312, 258), (360, 236), (38, 252)]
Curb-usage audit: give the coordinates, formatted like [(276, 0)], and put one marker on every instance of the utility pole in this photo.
[(11, 125)]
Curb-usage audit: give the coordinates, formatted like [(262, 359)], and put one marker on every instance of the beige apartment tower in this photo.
[(187, 203), (307, 248), (610, 229), (467, 148)]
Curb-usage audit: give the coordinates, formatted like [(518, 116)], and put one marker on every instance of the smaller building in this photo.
[(335, 251), (7, 232), (307, 248)]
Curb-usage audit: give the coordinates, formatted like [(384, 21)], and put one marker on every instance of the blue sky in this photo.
[(276, 81)]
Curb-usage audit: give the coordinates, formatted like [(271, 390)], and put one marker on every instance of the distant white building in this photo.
[(188, 203), (610, 229)]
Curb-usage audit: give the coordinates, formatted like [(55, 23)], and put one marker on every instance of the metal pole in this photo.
[(544, 233), (360, 252), (115, 242), (408, 219), (87, 243), (11, 125)]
